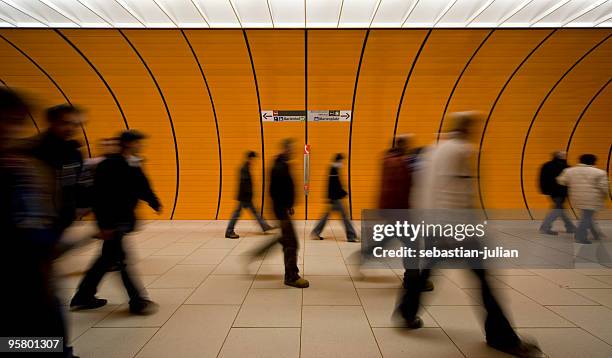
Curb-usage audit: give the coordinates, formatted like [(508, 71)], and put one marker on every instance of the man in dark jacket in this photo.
[(282, 191), (118, 186), (557, 193), (245, 199), (335, 194), (57, 148)]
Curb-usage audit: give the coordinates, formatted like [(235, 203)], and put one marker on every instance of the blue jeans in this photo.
[(587, 223), (336, 205), (557, 212), (249, 206)]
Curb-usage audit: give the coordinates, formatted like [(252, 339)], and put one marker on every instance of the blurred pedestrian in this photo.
[(335, 194), (282, 191), (449, 183), (118, 186), (245, 199), (29, 236), (557, 193), (588, 188)]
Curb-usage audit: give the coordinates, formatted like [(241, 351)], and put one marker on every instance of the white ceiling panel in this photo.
[(323, 13), (305, 13)]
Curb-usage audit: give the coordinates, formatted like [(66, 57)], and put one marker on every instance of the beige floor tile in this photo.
[(463, 324), (601, 296), (272, 276), (465, 279), (220, 243), (330, 291), (167, 299), (112, 342), (78, 322), (379, 305), (262, 343), (271, 308), (374, 277), (424, 342), (605, 279), (593, 319), (221, 290), (193, 331), (195, 237), (206, 257), (275, 256), (238, 265), (569, 278), (183, 276), (523, 311), (543, 291), (337, 331), (157, 265), (324, 266), (446, 293), (328, 249), (178, 249), (568, 343)]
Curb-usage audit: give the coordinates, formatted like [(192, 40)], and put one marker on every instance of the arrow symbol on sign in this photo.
[(346, 115), (265, 115)]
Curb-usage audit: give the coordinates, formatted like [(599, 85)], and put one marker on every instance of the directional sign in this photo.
[(283, 116), (332, 115)]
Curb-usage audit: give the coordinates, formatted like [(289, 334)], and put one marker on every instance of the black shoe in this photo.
[(268, 228), (231, 235), (584, 242), (415, 323), (548, 232), (87, 304), (316, 236), (353, 239), (143, 307), (521, 350), (570, 231), (427, 286)]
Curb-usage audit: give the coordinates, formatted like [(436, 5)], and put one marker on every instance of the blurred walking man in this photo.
[(588, 188), (118, 186), (557, 193), (335, 194), (245, 199)]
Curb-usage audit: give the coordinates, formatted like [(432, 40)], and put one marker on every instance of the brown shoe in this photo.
[(299, 283), (231, 235)]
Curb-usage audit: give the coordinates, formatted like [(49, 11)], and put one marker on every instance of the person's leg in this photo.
[(590, 219), (234, 219), (318, 229), (262, 223), (290, 247), (550, 218), (583, 225), (498, 331), (569, 225), (89, 285), (348, 226), (410, 301), (133, 289)]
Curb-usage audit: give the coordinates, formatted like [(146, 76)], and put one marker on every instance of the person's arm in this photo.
[(602, 184), (563, 178), (146, 193)]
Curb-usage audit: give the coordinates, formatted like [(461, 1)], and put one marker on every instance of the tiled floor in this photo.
[(216, 302)]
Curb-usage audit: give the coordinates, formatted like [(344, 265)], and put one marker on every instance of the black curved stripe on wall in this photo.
[(584, 110), (29, 114), (110, 90), (399, 106), (54, 84), (306, 108), (212, 103), (263, 157), (161, 94), (365, 41), (450, 96), (486, 124), (537, 112)]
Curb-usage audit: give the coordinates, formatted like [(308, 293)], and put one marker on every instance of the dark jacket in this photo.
[(66, 160), (245, 190), (334, 188), (548, 178), (282, 189), (396, 182), (117, 189)]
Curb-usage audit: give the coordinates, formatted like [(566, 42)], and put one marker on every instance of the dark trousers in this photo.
[(498, 330), (112, 254), (236, 214), (289, 241), (557, 212), (336, 205)]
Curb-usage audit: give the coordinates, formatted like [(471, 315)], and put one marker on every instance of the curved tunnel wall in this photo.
[(198, 93)]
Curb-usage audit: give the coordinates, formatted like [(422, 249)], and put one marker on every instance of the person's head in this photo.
[(64, 120), (13, 111), (402, 143), (109, 146), (250, 156), (338, 158), (463, 122), (130, 142), (588, 159), (560, 155), (287, 147)]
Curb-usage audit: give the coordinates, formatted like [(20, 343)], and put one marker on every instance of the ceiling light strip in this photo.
[(131, 12), (201, 12), (374, 13), (174, 21), (584, 11), (409, 12), (55, 8), (446, 10), (548, 12), (478, 12), (98, 14), (26, 12), (513, 12), (236, 13)]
